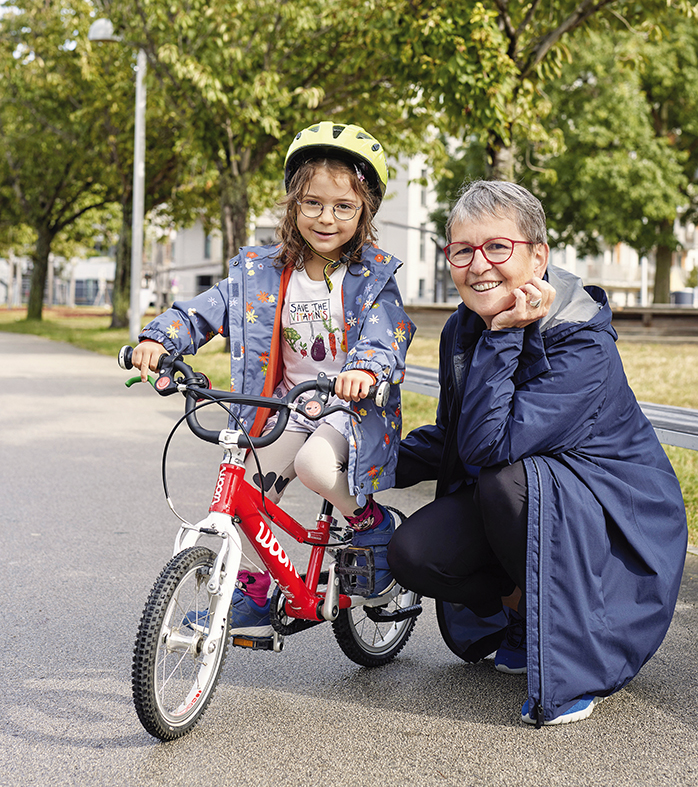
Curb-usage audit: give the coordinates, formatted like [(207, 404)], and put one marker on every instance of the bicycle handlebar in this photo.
[(197, 386)]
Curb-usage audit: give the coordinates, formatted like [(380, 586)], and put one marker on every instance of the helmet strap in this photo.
[(331, 266)]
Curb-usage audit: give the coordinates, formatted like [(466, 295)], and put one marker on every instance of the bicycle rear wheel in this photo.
[(369, 641), (173, 680)]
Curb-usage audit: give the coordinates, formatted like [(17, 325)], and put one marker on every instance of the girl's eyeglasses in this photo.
[(495, 250), (312, 209)]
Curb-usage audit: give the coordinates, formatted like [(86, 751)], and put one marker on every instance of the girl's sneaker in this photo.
[(378, 539), (582, 709), (249, 609), (247, 617)]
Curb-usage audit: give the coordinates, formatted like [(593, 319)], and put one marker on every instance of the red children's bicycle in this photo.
[(183, 636)]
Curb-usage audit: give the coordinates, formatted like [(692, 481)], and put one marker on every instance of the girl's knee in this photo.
[(317, 469)]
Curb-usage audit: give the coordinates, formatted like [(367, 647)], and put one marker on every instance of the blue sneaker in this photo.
[(197, 621), (378, 539), (511, 654), (582, 709), (247, 617)]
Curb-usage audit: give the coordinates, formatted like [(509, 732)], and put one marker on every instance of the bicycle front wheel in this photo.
[(372, 642), (173, 679)]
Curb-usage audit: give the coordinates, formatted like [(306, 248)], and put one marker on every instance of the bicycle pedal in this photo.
[(356, 571), (275, 643)]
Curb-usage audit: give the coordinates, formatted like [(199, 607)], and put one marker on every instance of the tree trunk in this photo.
[(39, 273), (664, 255), (662, 275), (121, 295), (235, 208), (500, 159)]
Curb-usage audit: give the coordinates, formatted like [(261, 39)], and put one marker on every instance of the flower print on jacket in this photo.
[(257, 293)]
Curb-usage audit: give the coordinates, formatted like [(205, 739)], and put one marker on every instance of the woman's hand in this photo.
[(353, 385), (146, 356), (533, 301)]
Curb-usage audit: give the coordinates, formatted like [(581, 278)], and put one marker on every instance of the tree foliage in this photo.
[(616, 179), (626, 106), (51, 166), (248, 74), (533, 48)]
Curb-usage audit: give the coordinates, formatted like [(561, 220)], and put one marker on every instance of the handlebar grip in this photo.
[(124, 357), (379, 393)]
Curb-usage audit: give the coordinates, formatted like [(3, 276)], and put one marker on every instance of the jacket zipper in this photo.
[(540, 716)]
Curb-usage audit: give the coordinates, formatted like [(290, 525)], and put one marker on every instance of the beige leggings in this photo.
[(319, 460)]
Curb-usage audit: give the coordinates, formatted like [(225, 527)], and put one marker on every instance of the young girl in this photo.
[(323, 300)]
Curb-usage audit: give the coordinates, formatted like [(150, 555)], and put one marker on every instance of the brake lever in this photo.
[(338, 408), (134, 380)]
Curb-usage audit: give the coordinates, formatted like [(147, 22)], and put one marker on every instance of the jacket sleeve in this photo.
[(386, 332), (187, 325), (553, 412)]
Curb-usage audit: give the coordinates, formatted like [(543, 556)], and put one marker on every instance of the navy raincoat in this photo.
[(606, 519)]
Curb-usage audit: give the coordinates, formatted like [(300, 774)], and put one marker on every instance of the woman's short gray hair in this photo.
[(502, 200)]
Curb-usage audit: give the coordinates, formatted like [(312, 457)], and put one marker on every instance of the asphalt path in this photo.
[(84, 531)]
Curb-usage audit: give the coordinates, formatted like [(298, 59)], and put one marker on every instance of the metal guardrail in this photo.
[(674, 425)]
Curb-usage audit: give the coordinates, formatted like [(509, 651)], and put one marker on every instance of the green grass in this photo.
[(660, 373)]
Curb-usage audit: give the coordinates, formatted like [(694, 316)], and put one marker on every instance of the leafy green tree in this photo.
[(54, 174), (524, 46), (66, 136), (630, 139), (246, 75), (669, 79)]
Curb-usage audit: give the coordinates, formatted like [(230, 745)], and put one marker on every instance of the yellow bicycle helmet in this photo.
[(348, 143)]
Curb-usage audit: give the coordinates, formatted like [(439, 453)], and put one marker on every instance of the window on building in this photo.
[(203, 283), (86, 291), (424, 189), (207, 247), (422, 288), (422, 242)]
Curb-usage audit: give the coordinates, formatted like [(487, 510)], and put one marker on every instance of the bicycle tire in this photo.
[(372, 643), (172, 680)]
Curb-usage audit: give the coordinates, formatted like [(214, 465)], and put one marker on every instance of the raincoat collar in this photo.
[(574, 307)]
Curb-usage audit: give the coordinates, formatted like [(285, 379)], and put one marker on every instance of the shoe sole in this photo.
[(510, 670), (253, 631), (568, 718)]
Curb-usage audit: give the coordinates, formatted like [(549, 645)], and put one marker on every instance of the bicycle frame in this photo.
[(237, 504)]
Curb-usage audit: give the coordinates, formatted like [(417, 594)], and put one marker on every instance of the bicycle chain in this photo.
[(277, 617)]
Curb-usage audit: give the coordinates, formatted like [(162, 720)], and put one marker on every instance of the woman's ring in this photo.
[(536, 304)]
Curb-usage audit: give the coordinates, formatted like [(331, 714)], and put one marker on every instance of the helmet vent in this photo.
[(336, 131)]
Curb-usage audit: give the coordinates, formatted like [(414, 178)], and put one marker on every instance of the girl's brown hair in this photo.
[(294, 250)]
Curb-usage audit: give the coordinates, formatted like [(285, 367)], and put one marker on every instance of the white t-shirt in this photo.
[(312, 321)]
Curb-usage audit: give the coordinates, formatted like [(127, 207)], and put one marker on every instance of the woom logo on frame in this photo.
[(268, 540)]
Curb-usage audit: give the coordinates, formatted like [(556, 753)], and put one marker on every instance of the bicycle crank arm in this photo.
[(378, 615), (330, 609)]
